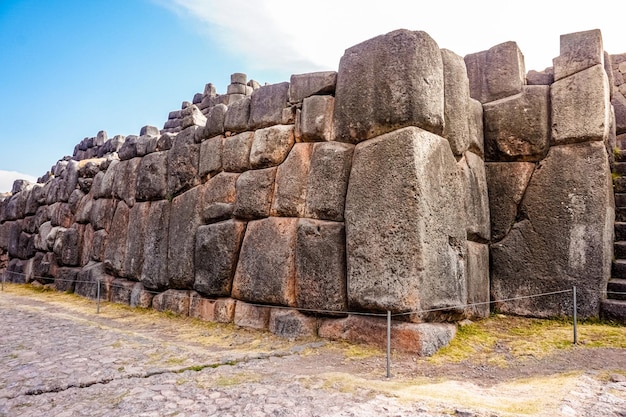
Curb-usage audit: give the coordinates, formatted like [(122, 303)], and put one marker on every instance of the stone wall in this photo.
[(371, 189)]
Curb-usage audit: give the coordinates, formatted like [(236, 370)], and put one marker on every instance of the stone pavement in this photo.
[(62, 360)]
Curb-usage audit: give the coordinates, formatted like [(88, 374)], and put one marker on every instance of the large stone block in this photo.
[(291, 182), (137, 230), (218, 196), (476, 128), (236, 156), (389, 82), (103, 181), (185, 218), (65, 280), (266, 268), (271, 146), (579, 51), (477, 269), (619, 105), (115, 253), (211, 156), (291, 324), (563, 238), (125, 184), (517, 128), (152, 177), (496, 73), (182, 162), (215, 121), (174, 301), (87, 244), (506, 184), (251, 316), (267, 104), (217, 252), (154, 270), (581, 107), (316, 118), (89, 278), (456, 102), (102, 212), (478, 227), (321, 265), (405, 225), (302, 86), (140, 297), (328, 180), (255, 190), (67, 246), (237, 116), (98, 248), (423, 339)]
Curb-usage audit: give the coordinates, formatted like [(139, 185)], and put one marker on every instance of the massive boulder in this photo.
[(405, 225), (563, 236), (389, 82)]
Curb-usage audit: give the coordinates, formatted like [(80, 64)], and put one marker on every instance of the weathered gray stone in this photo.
[(182, 163), (423, 339), (236, 89), (217, 251), (267, 104), (506, 184), (328, 180), (271, 146), (266, 268), (302, 86), (154, 274), (476, 133), (321, 265), (236, 118), (128, 150), (476, 198), (174, 301), (579, 51), (456, 102), (35, 195), (619, 104), (68, 245), (569, 196), (137, 230), (405, 226), (477, 270), (255, 190), (140, 297), (389, 82), (291, 324), (115, 253), (121, 290), (83, 209), (152, 177), (225, 310), (545, 77), (88, 278), (65, 280), (581, 107), (100, 239), (125, 185), (218, 196), (517, 128), (192, 116), (215, 121), (102, 212), (238, 78), (149, 131), (61, 214), (210, 161), (185, 218), (291, 182), (496, 73), (251, 316), (103, 181), (316, 118), (201, 308), (236, 152)]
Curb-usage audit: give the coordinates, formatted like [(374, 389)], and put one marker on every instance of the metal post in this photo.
[(3, 278), (98, 297), (575, 318), (388, 344)]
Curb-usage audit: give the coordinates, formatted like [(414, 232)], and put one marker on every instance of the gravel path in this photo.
[(59, 360)]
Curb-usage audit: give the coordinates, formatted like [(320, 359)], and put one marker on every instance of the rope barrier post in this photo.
[(575, 318), (388, 344), (98, 298), (3, 278)]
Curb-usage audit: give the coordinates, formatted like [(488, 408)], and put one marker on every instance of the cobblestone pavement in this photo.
[(62, 360)]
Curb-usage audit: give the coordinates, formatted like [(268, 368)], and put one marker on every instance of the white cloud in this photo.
[(308, 36), (8, 177)]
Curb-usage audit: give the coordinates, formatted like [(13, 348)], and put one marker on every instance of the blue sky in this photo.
[(73, 67)]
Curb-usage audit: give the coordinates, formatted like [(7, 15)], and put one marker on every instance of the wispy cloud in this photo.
[(8, 177), (306, 36)]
